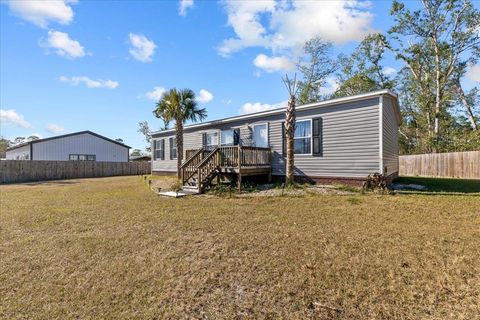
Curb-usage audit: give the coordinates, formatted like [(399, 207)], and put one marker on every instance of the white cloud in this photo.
[(244, 18), (90, 83), (63, 45), (183, 6), (258, 107), (41, 13), (271, 64), (286, 25), (156, 93), (474, 73), (389, 71), (204, 96), (55, 128), (12, 117), (142, 48), (332, 86)]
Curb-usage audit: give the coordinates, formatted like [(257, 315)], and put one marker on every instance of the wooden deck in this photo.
[(202, 165)]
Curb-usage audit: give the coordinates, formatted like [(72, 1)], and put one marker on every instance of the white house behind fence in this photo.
[(78, 146)]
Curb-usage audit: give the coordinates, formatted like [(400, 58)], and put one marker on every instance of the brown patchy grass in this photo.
[(110, 248)]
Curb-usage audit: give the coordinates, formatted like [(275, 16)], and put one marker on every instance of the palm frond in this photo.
[(179, 105)]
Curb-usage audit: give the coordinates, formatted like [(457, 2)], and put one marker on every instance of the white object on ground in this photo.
[(173, 194)]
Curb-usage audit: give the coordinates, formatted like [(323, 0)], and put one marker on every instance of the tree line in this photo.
[(436, 45), (6, 143)]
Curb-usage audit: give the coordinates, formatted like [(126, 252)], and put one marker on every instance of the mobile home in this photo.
[(338, 139)]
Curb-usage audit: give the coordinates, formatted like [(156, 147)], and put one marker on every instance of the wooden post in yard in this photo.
[(270, 162), (239, 168)]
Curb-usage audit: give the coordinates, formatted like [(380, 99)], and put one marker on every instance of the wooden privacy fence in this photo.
[(464, 165), (12, 171)]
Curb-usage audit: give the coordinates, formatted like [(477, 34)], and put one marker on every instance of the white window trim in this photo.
[(268, 131), (311, 137)]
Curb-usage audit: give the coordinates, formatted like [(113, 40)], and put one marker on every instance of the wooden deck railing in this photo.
[(207, 166), (190, 153), (189, 167), (204, 162), (230, 155), (253, 156)]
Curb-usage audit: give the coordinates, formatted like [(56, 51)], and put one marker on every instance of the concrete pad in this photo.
[(173, 194)]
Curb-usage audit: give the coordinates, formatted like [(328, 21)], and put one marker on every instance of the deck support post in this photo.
[(270, 162), (239, 168)]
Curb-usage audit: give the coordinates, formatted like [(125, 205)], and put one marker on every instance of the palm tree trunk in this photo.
[(179, 139), (290, 132)]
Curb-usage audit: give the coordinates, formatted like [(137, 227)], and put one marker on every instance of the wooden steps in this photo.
[(204, 165)]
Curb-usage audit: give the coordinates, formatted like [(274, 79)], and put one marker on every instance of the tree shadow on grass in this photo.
[(442, 186), (49, 182)]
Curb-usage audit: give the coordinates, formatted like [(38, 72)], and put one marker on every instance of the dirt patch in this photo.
[(270, 191), (163, 183)]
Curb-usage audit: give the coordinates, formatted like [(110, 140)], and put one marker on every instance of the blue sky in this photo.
[(68, 66)]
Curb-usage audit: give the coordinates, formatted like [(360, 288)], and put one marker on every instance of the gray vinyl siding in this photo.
[(193, 139), (61, 148), (166, 165), (351, 140), (21, 153), (390, 137)]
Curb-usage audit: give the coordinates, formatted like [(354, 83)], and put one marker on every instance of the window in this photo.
[(173, 148), (82, 157), (230, 137), (260, 135), (158, 149), (226, 138), (211, 139), (302, 143)]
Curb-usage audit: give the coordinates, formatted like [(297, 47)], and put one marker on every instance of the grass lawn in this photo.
[(110, 248)]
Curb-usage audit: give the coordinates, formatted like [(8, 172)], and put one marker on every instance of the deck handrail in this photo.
[(189, 153), (239, 156), (186, 174), (208, 156), (188, 160), (256, 148), (207, 166)]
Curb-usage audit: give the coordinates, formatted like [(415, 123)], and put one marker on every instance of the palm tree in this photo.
[(290, 118), (179, 106)]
